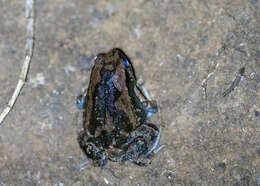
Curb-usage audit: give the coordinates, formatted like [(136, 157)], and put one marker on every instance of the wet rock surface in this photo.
[(188, 52)]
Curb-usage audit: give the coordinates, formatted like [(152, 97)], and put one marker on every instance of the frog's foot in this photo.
[(91, 150)]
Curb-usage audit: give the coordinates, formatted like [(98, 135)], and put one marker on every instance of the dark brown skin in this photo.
[(115, 126)]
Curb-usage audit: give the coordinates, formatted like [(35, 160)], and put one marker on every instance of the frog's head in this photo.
[(113, 59)]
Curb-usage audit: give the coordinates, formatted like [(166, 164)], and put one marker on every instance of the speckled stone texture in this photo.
[(188, 53)]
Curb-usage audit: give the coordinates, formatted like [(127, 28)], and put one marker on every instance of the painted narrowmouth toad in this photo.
[(115, 123)]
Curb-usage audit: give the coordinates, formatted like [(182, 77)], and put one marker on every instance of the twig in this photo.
[(29, 45), (235, 83), (205, 81)]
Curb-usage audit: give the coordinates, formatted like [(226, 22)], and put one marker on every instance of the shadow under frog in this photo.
[(115, 123)]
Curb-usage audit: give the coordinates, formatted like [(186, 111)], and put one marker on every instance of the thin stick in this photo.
[(235, 83), (29, 46)]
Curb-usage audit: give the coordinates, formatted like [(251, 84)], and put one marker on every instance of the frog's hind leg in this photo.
[(131, 156), (143, 142), (91, 150), (117, 157), (123, 157), (156, 145)]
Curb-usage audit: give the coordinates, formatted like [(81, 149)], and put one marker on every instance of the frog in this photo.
[(115, 114)]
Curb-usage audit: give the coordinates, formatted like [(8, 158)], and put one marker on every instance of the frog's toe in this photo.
[(150, 107), (81, 100), (101, 161), (82, 165), (151, 111)]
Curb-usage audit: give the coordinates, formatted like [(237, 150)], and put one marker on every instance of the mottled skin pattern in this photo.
[(115, 126)]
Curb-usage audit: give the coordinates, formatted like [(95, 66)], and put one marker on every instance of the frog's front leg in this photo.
[(93, 152), (149, 104)]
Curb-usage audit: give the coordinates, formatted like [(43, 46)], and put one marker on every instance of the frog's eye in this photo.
[(126, 63), (98, 59)]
